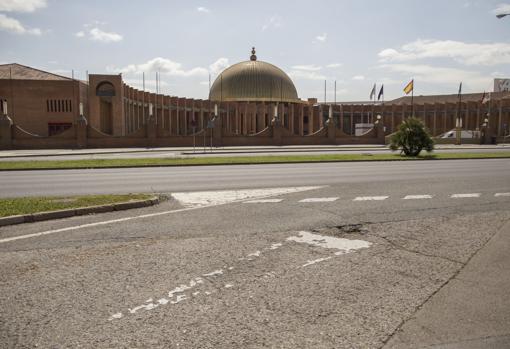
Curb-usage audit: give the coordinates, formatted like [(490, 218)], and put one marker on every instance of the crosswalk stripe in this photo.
[(461, 196), (263, 201), (370, 198), (417, 197), (319, 199), (501, 194)]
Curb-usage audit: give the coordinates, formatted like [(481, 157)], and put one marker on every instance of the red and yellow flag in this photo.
[(409, 87)]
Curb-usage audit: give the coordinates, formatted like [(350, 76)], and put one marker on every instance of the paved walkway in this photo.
[(472, 310)]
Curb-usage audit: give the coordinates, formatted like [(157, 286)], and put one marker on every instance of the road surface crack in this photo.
[(400, 247), (420, 306)]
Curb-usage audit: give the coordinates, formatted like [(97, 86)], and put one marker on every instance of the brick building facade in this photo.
[(251, 103)]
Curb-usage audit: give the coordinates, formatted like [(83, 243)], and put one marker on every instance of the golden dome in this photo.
[(253, 81)]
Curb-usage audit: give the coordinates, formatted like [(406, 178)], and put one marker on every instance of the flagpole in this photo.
[(335, 92), (412, 100), (324, 91), (143, 97)]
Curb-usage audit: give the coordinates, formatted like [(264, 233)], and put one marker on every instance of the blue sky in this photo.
[(357, 43)]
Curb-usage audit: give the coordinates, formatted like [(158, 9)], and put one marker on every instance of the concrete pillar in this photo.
[(500, 119), (6, 126), (301, 117), (151, 132), (81, 132), (245, 119), (310, 119), (380, 134), (238, 118), (217, 130), (253, 112)]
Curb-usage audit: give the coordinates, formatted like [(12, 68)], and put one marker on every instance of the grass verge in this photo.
[(234, 160), (28, 205)]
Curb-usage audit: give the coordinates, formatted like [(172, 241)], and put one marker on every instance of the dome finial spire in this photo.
[(253, 56)]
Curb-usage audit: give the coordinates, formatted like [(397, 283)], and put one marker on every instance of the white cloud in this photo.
[(358, 78), (334, 65), (502, 9), (306, 75), (307, 67), (322, 37), (439, 75), (96, 34), (203, 9), (162, 65), (21, 5), (274, 21), (12, 25), (465, 53), (218, 66), (80, 34)]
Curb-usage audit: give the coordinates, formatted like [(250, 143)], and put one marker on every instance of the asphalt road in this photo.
[(170, 179), (389, 243)]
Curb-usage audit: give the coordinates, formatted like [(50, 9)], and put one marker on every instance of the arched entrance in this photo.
[(105, 91)]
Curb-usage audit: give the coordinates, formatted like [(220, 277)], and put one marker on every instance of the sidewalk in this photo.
[(472, 310)]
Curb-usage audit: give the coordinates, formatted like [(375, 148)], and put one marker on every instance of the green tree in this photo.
[(411, 138)]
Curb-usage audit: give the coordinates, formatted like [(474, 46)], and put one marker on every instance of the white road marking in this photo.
[(501, 194), (315, 261), (341, 245), (324, 241), (263, 201), (96, 224), (214, 273), (319, 199), (417, 197), (275, 246), (370, 198), (470, 195), (207, 198)]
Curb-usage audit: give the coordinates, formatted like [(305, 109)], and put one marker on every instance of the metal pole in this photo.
[(12, 93), (324, 91), (335, 92), (412, 100), (143, 97)]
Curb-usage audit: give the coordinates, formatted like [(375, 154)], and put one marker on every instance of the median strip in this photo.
[(234, 160)]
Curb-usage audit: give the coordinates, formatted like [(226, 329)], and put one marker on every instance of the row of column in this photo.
[(302, 119)]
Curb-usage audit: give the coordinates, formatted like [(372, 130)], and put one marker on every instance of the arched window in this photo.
[(105, 89)]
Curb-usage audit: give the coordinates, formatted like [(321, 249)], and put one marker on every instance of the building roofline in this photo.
[(40, 70)]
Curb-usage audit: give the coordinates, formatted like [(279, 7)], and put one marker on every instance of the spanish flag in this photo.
[(409, 87)]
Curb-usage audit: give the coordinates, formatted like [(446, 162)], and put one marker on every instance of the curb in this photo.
[(82, 211)]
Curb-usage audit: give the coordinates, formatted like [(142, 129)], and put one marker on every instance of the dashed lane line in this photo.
[(370, 198), (330, 199), (417, 197), (468, 195), (263, 201), (501, 194)]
